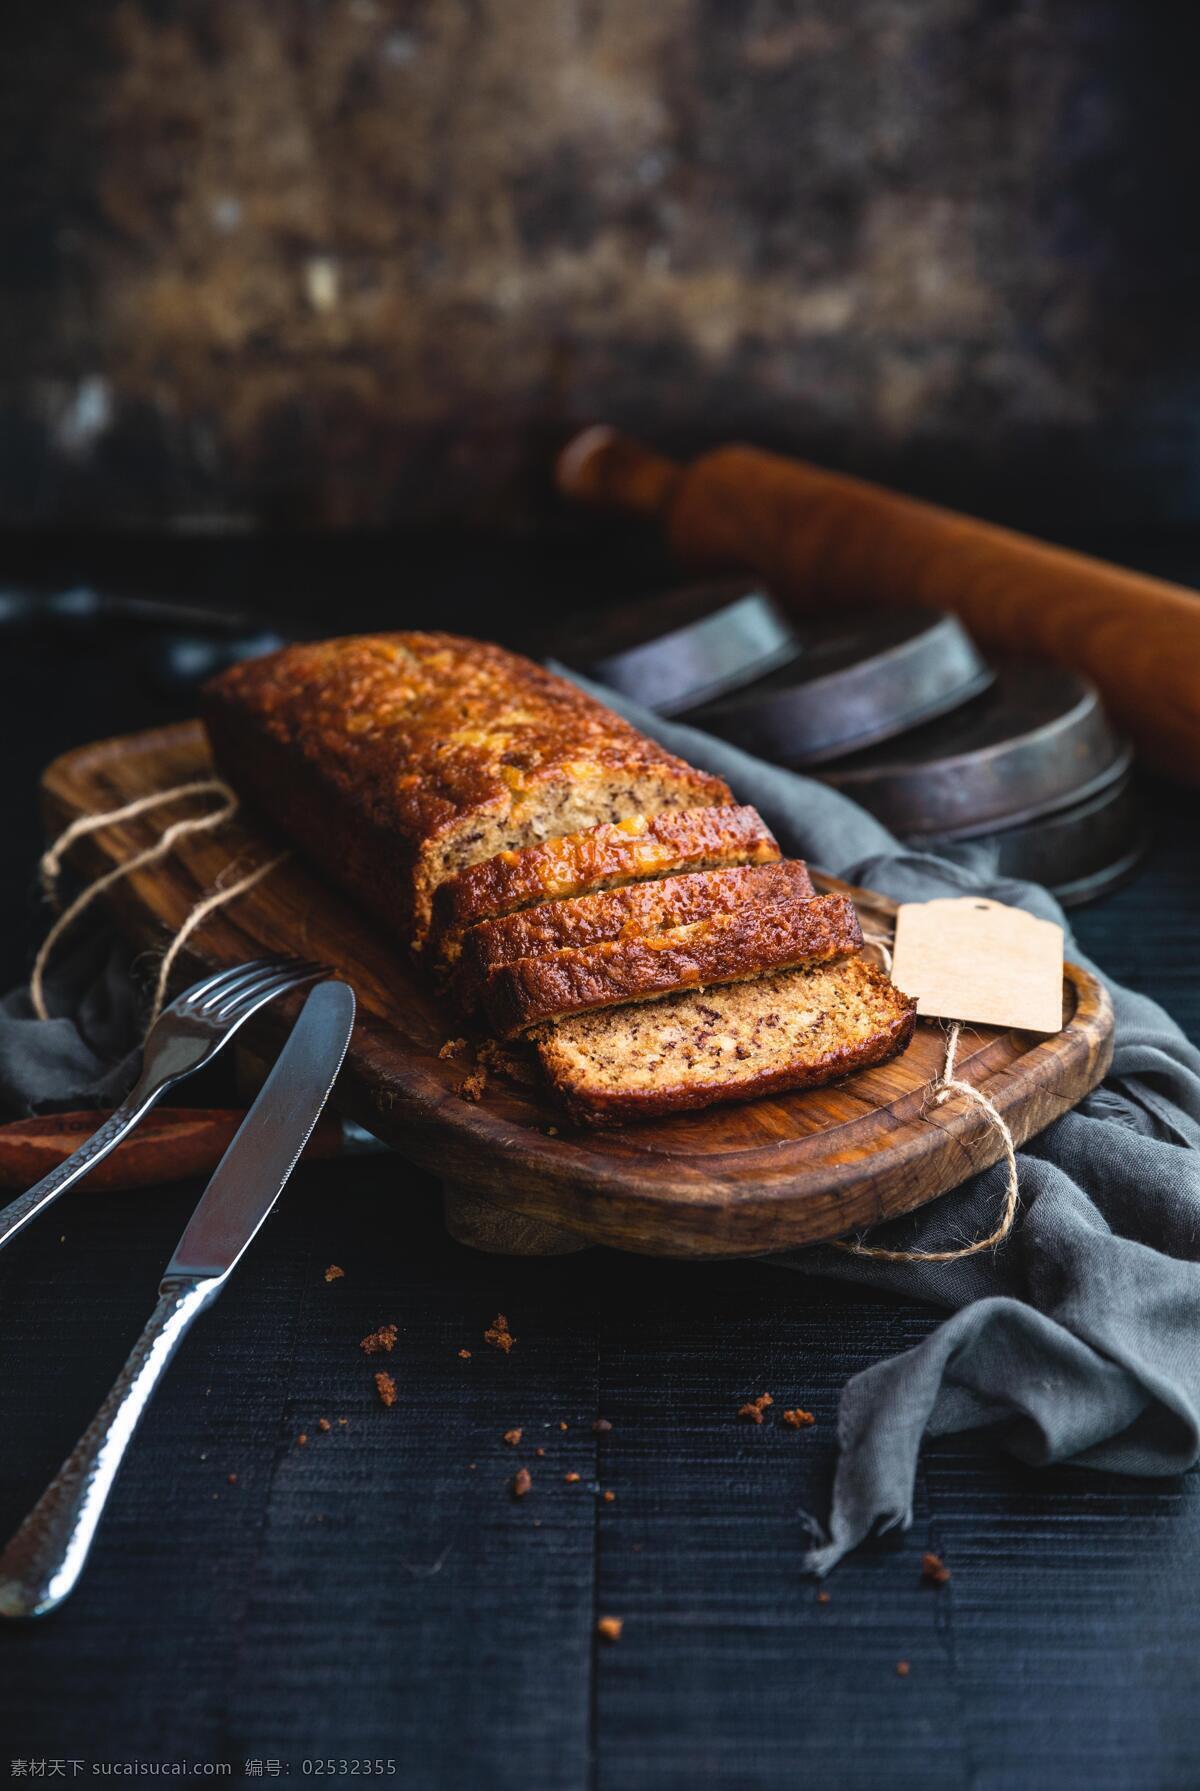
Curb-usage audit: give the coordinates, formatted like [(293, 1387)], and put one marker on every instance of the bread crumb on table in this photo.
[(798, 1418), (902, 1669), (232, 1479), (571, 1479), (601, 1427), (499, 1335), (333, 1273), (609, 1628), (302, 1438), (822, 1598), (324, 1424), (385, 1386), (934, 1570), (753, 1411), (453, 1048), (382, 1339), (471, 1087), (464, 1355), (609, 1496), (522, 1483), (513, 1437)]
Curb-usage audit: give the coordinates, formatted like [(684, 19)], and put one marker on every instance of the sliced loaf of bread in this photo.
[(726, 948), (627, 912), (597, 858), (793, 1029)]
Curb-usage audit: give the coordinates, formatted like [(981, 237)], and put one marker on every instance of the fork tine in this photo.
[(210, 984), (241, 1006), (245, 976)]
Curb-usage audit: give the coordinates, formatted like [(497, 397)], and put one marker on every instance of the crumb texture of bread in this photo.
[(395, 760), (726, 948), (626, 912), (640, 846), (791, 1029)]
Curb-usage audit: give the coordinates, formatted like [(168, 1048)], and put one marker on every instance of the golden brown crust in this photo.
[(723, 949), (634, 909), (677, 839), (379, 754)]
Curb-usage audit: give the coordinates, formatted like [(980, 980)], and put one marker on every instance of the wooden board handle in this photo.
[(823, 539)]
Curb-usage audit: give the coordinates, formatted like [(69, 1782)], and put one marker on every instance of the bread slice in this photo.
[(634, 909), (598, 858), (793, 1029), (394, 760), (726, 948)]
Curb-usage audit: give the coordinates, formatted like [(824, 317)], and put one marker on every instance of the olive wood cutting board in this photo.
[(736, 1180)]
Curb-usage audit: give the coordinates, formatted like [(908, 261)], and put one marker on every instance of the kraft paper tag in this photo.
[(970, 959)]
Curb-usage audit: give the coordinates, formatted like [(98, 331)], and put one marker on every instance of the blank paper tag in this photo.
[(971, 959)]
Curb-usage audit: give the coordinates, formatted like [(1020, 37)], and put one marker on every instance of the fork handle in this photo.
[(46, 1556), (17, 1214)]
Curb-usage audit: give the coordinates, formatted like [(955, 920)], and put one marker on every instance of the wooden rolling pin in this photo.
[(821, 539), (170, 1144)]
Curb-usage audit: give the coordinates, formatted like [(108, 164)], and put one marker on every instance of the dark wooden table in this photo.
[(376, 1594)]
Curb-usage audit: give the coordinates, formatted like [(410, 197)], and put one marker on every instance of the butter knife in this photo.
[(42, 1563)]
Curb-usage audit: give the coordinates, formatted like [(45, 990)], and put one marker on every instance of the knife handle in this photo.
[(44, 1559)]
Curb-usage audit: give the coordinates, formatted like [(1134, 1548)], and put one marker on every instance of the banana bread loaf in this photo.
[(794, 1029), (395, 760), (599, 858), (726, 948), (622, 913)]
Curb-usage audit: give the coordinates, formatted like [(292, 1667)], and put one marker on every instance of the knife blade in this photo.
[(42, 1563), (251, 1175)]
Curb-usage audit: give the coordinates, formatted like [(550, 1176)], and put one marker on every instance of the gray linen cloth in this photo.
[(1078, 1339), (1075, 1340)]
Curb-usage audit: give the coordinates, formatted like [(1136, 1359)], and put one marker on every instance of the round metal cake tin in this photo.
[(860, 678), (685, 647), (1035, 742), (1078, 853)]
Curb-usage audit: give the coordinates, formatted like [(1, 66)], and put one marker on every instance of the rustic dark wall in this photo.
[(355, 262)]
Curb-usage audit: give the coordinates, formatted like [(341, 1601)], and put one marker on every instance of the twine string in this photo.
[(50, 863), (946, 1084), (218, 899), (167, 840)]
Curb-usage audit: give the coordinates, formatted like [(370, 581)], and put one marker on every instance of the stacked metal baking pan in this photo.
[(899, 709)]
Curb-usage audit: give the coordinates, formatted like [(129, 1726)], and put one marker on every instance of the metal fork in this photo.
[(187, 1035)]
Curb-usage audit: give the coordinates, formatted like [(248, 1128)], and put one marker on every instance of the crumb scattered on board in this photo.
[(453, 1048), (302, 1438), (333, 1273), (902, 1669), (601, 1427), (934, 1570), (499, 1335), (753, 1410), (232, 1479), (798, 1418), (464, 1355), (385, 1386), (324, 1424), (472, 1086), (822, 1598), (513, 1437), (571, 1479), (522, 1483), (382, 1339), (609, 1628), (609, 1497)]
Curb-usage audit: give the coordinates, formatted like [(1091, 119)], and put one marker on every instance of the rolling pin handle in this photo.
[(611, 471)]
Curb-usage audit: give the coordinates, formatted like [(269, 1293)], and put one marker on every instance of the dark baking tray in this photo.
[(1036, 741), (1078, 853), (861, 677), (683, 647)]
